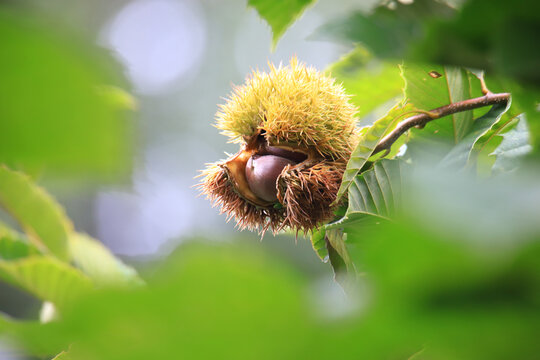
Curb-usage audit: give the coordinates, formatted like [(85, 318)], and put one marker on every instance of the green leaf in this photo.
[(431, 86), (481, 154), (515, 144), (370, 82), (339, 255), (376, 193), (461, 155), (40, 216), (46, 278), (96, 261), (319, 244), (279, 14), (31, 337), (14, 245), (57, 110), (367, 143), (527, 99), (388, 30)]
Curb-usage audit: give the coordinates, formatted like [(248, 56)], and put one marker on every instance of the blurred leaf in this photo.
[(31, 337), (370, 82), (425, 293), (460, 155), (40, 216), (118, 97), (14, 245), (55, 113), (453, 302), (249, 305), (279, 14), (515, 144), (431, 86), (96, 261), (389, 30), (367, 143), (46, 278), (494, 35)]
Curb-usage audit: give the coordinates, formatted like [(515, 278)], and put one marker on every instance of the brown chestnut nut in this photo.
[(262, 173)]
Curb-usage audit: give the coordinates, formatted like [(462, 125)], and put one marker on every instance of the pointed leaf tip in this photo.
[(279, 14)]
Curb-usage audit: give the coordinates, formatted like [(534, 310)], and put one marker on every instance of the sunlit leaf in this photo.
[(431, 86), (515, 144), (118, 97), (96, 261), (370, 82), (279, 14), (46, 278), (40, 216)]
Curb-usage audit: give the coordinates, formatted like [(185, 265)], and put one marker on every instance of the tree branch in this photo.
[(421, 120)]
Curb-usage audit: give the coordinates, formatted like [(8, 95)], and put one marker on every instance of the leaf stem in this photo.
[(422, 119)]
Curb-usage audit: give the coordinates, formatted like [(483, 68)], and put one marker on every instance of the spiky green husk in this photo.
[(294, 104)]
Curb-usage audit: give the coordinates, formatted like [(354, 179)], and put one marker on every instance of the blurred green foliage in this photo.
[(434, 264), (60, 107), (421, 295)]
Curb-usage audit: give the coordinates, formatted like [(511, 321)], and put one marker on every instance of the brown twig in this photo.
[(422, 119)]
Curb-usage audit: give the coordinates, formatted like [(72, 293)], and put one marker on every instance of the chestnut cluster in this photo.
[(297, 130)]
